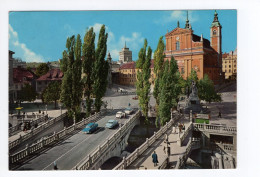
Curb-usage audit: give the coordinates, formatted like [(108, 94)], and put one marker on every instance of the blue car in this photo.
[(111, 123), (90, 128)]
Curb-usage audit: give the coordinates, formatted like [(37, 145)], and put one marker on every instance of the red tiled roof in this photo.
[(224, 55), (22, 75), (53, 74), (130, 65)]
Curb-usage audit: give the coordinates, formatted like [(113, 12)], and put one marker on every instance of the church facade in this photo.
[(195, 52)]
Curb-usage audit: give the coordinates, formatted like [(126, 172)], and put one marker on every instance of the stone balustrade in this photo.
[(185, 134), (134, 155), (14, 158), (39, 118), (35, 131), (93, 157), (215, 128)]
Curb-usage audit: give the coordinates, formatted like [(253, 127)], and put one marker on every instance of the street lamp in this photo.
[(46, 108), (60, 108)]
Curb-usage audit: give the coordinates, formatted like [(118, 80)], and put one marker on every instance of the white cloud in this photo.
[(133, 42), (26, 54), (178, 15)]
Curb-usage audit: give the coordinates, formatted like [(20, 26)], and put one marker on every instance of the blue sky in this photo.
[(41, 36)]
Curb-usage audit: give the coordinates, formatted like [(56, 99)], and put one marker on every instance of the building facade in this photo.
[(125, 55), (52, 75), (229, 65), (11, 79), (127, 74), (19, 63), (22, 76), (195, 52)]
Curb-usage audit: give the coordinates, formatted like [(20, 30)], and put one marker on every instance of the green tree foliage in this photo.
[(100, 69), (158, 67), (143, 75), (170, 89), (88, 53), (206, 90), (27, 93), (42, 69), (52, 93), (71, 88)]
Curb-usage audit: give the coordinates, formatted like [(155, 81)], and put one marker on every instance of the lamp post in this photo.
[(46, 108), (60, 108)]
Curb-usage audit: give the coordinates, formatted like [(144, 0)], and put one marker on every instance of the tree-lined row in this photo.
[(84, 60), (169, 84)]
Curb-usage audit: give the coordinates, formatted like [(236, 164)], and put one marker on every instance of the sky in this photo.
[(40, 36)]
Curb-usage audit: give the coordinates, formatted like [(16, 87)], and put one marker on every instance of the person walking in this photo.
[(55, 167), (219, 114), (174, 129), (155, 158)]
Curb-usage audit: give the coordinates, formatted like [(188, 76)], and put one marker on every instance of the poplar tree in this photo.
[(158, 67), (100, 69), (143, 75), (163, 114), (71, 88), (88, 53)]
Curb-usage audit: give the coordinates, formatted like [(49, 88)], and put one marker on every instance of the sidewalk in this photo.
[(51, 114), (144, 161)]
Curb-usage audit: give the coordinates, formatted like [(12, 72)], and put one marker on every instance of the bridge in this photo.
[(181, 145), (72, 149)]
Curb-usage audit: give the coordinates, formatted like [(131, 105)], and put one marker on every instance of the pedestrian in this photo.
[(183, 127), (155, 158), (219, 114), (174, 129), (55, 167), (180, 127)]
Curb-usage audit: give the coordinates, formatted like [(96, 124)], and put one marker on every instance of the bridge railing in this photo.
[(35, 131), (215, 128), (185, 134), (93, 157), (182, 159), (13, 130), (14, 158), (134, 155)]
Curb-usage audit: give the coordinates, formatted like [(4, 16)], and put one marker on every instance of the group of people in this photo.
[(180, 126)]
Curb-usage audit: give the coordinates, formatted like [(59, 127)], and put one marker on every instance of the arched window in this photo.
[(214, 32), (177, 45)]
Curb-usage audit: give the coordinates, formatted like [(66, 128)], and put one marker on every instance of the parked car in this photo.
[(128, 111), (120, 114), (135, 98), (90, 128), (111, 123)]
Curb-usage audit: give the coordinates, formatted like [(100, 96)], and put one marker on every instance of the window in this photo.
[(229, 66), (235, 65), (230, 70), (225, 66), (214, 32), (177, 45), (182, 70), (225, 70), (235, 70)]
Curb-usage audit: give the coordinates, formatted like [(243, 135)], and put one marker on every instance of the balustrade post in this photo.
[(155, 135), (65, 130), (204, 125), (219, 156), (137, 152), (26, 149), (231, 161), (124, 162), (89, 159), (99, 149), (147, 142), (190, 116), (167, 126)]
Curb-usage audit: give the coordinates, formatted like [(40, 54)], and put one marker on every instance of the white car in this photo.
[(120, 114), (128, 111)]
